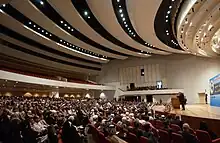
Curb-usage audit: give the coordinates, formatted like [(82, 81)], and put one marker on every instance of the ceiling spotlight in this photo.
[(134, 35), (173, 0), (41, 2), (168, 12), (166, 16), (166, 20), (68, 27), (29, 22), (71, 29), (129, 30), (123, 19), (166, 30), (38, 28), (119, 6), (88, 17), (122, 15), (61, 40), (125, 22), (64, 42), (126, 25), (120, 10), (65, 24), (42, 30), (85, 13), (167, 33), (4, 5), (67, 43), (118, 0), (61, 21), (170, 7), (182, 31), (34, 25)]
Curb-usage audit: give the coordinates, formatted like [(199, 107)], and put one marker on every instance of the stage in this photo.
[(197, 110)]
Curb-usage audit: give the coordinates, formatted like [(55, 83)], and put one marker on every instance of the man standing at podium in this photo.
[(182, 100)]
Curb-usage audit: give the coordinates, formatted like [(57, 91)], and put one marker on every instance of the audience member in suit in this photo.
[(204, 127), (167, 128), (149, 134), (136, 130), (187, 136)]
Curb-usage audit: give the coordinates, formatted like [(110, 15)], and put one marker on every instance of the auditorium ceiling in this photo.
[(76, 37)]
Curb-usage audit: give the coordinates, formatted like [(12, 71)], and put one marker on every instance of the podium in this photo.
[(175, 102)]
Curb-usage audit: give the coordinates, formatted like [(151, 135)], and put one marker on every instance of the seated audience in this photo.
[(149, 134), (204, 127), (187, 136)]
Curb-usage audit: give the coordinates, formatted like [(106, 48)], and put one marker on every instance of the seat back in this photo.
[(159, 124), (144, 140), (156, 133), (164, 136), (177, 138), (175, 128), (203, 136), (132, 138), (102, 138)]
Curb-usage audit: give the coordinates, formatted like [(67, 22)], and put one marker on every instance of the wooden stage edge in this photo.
[(196, 110)]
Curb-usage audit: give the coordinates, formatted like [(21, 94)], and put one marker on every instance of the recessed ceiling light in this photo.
[(67, 43), (88, 17), (119, 5), (166, 20), (41, 2), (118, 0), (34, 25), (64, 42), (129, 30), (126, 25), (29, 22), (166, 16), (120, 10), (125, 22), (42, 30), (122, 15), (61, 40), (46, 33), (68, 27), (71, 29), (167, 33), (61, 21), (168, 12), (50, 35), (4, 5), (166, 30), (181, 31), (173, 0), (123, 19), (38, 28), (85, 13), (134, 35), (170, 6)]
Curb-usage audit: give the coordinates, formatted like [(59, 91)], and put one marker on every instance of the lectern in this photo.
[(175, 102)]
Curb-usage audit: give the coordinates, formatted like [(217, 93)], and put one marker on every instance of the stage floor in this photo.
[(197, 110)]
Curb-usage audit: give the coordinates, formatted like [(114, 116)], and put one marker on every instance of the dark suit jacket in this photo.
[(189, 138)]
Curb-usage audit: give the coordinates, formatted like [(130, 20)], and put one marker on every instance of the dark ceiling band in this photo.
[(33, 53), (163, 23), (121, 13), (32, 25), (85, 12), (52, 14), (35, 44)]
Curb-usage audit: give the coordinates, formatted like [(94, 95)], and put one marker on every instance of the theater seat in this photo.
[(177, 138), (175, 128), (144, 140), (132, 138), (204, 137), (102, 138), (164, 136), (159, 124)]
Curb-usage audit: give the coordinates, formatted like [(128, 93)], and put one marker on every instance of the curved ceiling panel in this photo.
[(68, 11), (14, 25), (107, 18), (196, 25), (85, 12), (142, 14), (52, 14), (11, 51), (41, 51), (30, 13), (122, 16), (23, 66)]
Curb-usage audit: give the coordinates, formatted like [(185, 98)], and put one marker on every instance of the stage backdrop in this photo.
[(215, 91)]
